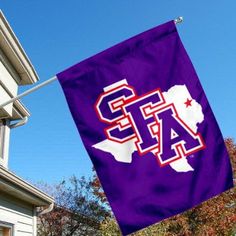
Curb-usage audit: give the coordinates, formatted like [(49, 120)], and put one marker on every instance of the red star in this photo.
[(188, 102)]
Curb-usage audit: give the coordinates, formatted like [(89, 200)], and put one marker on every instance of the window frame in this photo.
[(7, 226)]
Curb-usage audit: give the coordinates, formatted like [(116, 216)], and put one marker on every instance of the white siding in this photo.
[(7, 85), (18, 213)]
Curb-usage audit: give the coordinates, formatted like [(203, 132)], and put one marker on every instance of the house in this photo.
[(19, 200)]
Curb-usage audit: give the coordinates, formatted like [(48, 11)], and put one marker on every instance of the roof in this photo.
[(15, 53), (20, 189)]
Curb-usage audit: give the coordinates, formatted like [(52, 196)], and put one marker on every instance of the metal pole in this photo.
[(177, 21), (28, 91)]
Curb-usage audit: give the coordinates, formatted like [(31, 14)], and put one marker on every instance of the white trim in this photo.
[(4, 142), (18, 184), (12, 222), (35, 222), (15, 53)]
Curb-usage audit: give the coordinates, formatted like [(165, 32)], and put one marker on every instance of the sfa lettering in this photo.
[(153, 124)]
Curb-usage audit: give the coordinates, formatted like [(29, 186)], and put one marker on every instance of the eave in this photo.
[(20, 189), (15, 53)]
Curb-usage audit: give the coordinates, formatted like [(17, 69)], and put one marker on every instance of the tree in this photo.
[(231, 147), (82, 209), (77, 211)]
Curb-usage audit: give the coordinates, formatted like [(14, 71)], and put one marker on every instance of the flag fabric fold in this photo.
[(148, 128)]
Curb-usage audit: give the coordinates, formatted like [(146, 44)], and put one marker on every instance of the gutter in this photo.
[(23, 185), (21, 122), (46, 210)]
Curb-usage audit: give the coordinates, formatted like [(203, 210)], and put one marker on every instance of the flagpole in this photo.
[(178, 20), (29, 91)]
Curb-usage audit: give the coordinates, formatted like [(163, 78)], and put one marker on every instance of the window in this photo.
[(5, 229)]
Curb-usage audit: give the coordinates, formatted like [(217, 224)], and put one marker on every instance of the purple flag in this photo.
[(148, 128)]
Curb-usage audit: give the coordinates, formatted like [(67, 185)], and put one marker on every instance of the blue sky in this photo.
[(58, 34)]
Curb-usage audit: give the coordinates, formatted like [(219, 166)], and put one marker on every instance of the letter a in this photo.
[(182, 144)]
